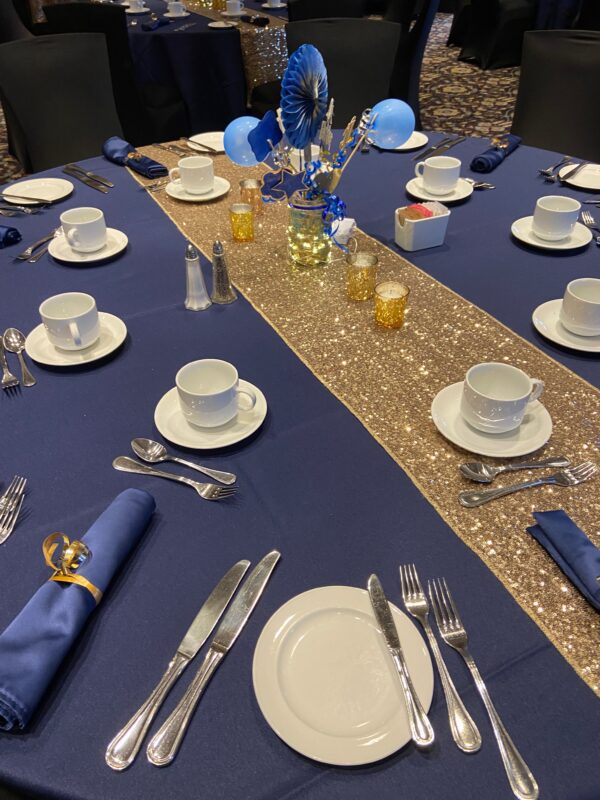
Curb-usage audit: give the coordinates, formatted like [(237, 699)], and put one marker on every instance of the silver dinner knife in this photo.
[(164, 745), (74, 173), (123, 749), (572, 172), (91, 175), (420, 726)]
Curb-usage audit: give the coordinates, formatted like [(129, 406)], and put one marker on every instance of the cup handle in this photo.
[(72, 237), (174, 174), (75, 333), (536, 392), (250, 395), (419, 169)]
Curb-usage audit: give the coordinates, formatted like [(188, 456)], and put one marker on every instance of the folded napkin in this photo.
[(154, 24), (8, 236), (121, 152), (41, 635), (494, 156), (255, 19), (574, 553)]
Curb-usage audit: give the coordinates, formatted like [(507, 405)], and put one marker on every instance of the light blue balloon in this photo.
[(394, 125), (236, 144)]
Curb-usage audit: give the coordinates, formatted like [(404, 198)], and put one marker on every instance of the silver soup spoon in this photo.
[(154, 453), (485, 473), (14, 342)]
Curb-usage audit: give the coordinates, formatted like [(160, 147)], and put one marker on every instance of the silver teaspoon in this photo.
[(485, 473), (154, 453), (14, 342)]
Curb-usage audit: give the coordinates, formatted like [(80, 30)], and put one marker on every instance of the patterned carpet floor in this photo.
[(455, 97)]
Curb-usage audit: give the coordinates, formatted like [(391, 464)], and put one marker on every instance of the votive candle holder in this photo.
[(251, 195), (242, 222), (361, 275), (391, 298)]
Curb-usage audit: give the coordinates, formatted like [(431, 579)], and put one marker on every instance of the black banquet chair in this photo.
[(552, 62), (319, 9), (589, 16), (402, 11), (58, 89), (11, 25), (496, 29)]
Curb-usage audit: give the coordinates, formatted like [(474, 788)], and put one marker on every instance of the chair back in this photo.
[(551, 64), (401, 11), (589, 16), (11, 25), (320, 9), (59, 91), (359, 55)]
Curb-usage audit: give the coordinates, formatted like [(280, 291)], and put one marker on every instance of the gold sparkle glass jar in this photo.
[(242, 222), (361, 275), (391, 298), (250, 194), (308, 244)]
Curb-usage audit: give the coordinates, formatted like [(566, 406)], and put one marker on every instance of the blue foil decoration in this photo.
[(277, 186), (267, 129), (304, 96)]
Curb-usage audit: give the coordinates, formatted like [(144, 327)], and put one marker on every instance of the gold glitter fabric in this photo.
[(388, 379)]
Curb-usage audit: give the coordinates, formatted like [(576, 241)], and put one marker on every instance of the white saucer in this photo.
[(546, 320), (112, 334), (61, 250), (169, 15), (235, 15), (533, 433), (326, 683), (221, 25), (138, 10), (50, 190), (171, 423), (417, 140), (279, 5), (587, 178), (463, 190), (176, 190), (521, 229), (214, 139)]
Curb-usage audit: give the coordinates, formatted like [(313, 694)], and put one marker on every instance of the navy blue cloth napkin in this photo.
[(8, 236), (154, 24), (255, 19), (40, 636), (494, 156), (574, 553), (121, 152)]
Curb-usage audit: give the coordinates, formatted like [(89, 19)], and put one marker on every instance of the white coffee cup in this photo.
[(234, 7), (554, 217), (136, 5), (209, 394), (580, 310), (439, 174), (177, 9), (496, 396), (71, 320), (195, 173), (84, 229)]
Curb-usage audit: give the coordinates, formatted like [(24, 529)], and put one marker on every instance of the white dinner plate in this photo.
[(221, 25), (522, 230), (112, 335), (463, 190), (176, 190), (326, 683), (415, 141), (547, 321), (235, 15), (587, 178), (214, 139), (171, 423), (138, 10), (50, 190), (61, 250), (170, 15), (533, 433), (279, 5)]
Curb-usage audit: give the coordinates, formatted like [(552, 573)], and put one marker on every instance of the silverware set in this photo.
[(13, 341), (441, 147), (156, 453), (451, 629), (97, 182), (10, 506), (485, 473), (165, 744), (589, 222), (173, 148), (35, 251)]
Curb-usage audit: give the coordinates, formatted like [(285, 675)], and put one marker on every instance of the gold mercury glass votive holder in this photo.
[(242, 222), (390, 303), (361, 274), (250, 194)]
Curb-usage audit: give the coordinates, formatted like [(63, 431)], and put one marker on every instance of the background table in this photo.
[(298, 475)]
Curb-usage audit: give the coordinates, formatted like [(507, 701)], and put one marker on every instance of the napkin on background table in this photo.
[(574, 553), (121, 152), (494, 156), (40, 636), (8, 236)]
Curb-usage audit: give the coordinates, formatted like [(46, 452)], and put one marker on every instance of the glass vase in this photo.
[(308, 244)]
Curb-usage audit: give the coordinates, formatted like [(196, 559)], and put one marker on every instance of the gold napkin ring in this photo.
[(64, 557)]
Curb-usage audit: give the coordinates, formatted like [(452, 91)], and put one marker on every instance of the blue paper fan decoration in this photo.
[(304, 96)]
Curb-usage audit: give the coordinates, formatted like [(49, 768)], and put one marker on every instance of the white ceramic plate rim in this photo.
[(170, 400), (138, 10), (168, 15), (208, 138), (222, 25), (415, 188), (546, 321), (579, 179), (490, 442), (72, 358), (221, 187), (527, 236), (38, 185), (116, 238), (297, 733), (417, 139)]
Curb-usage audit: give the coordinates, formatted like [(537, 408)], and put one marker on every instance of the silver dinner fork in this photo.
[(566, 477), (453, 632), (589, 222), (28, 252), (9, 381), (10, 506), (550, 170), (208, 491), (464, 730)]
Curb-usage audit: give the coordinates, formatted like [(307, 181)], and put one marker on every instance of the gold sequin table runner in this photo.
[(388, 379)]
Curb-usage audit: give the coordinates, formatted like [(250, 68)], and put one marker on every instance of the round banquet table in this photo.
[(298, 476)]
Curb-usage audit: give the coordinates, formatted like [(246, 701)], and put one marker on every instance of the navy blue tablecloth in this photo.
[(201, 65), (298, 477), (556, 13)]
